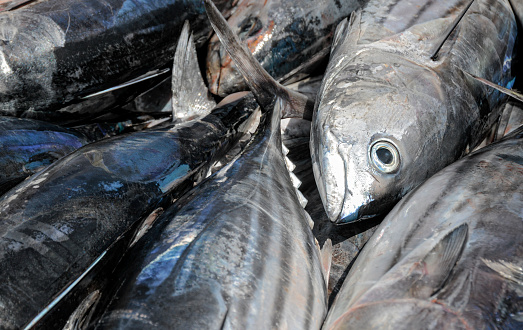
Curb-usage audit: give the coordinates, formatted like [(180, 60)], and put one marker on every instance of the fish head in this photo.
[(250, 21), (369, 147)]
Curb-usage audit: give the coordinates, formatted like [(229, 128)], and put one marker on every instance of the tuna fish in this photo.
[(281, 34), (55, 54), (388, 116), (449, 255), (236, 253), (65, 220)]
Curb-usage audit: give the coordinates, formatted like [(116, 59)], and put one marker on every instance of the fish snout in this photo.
[(222, 76)]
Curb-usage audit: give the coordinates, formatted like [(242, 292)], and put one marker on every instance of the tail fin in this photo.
[(263, 86), (190, 96)]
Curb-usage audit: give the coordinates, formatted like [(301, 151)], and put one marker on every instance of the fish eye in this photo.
[(385, 156)]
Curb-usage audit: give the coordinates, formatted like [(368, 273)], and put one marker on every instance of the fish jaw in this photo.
[(342, 189)]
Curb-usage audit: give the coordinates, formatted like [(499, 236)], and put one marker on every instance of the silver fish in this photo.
[(449, 255), (388, 116)]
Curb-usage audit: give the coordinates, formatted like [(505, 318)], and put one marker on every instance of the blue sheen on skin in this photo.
[(171, 178)]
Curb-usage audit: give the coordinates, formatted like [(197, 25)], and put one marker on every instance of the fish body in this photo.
[(239, 254), (387, 116), (57, 223), (54, 53), (27, 146), (449, 255), (281, 34)]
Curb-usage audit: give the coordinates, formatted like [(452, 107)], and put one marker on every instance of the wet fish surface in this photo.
[(388, 116), (449, 255), (57, 223), (54, 53), (27, 146), (281, 35), (236, 255)]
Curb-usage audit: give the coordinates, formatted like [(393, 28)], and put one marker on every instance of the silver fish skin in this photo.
[(387, 116), (239, 254), (449, 255), (281, 35)]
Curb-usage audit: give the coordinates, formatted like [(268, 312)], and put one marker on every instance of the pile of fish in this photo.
[(347, 164)]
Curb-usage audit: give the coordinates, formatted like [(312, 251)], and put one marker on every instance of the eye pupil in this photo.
[(384, 155)]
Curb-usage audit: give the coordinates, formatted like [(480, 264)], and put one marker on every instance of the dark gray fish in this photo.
[(238, 253), (55, 53), (60, 224), (449, 255), (388, 116), (27, 146), (281, 34)]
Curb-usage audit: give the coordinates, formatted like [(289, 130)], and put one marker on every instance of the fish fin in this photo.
[(262, 85), (295, 181), (515, 94), (303, 201), (146, 225), (82, 315), (190, 96), (506, 269), (448, 32), (503, 122), (437, 265), (341, 30), (326, 259), (144, 77)]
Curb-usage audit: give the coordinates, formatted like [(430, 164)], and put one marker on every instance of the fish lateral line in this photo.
[(449, 31)]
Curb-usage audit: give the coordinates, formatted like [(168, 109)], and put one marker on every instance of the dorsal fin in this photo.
[(190, 96), (509, 92), (451, 28), (341, 30), (144, 77), (263, 86)]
